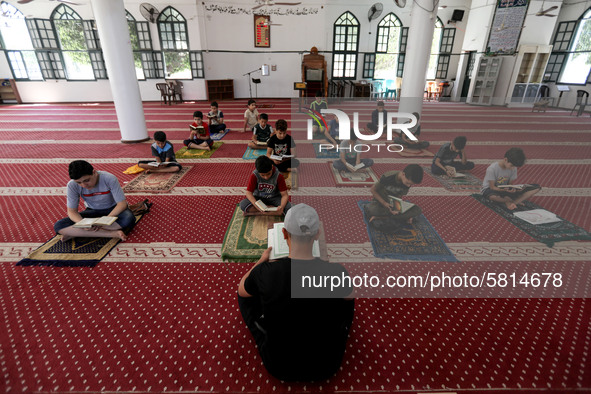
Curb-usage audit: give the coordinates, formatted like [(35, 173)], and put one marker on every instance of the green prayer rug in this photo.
[(185, 153), (246, 237), (548, 233), (467, 183)]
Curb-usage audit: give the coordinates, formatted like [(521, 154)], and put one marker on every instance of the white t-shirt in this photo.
[(494, 172)]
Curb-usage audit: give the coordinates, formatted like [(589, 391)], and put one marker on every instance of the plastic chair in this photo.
[(582, 98), (176, 89), (375, 90), (543, 99), (166, 94)]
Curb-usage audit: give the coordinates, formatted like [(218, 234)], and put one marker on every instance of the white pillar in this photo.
[(113, 32), (418, 49)]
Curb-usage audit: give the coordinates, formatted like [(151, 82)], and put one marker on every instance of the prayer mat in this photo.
[(246, 237), (415, 153), (291, 179), (417, 241), (467, 183), (158, 182), (265, 106), (548, 233), (360, 178), (324, 154), (75, 252), (185, 153), (219, 136), (252, 154)]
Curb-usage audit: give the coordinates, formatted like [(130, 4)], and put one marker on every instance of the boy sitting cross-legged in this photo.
[(199, 137), (503, 173), (163, 151), (268, 185), (261, 133), (281, 144), (444, 163), (216, 119)]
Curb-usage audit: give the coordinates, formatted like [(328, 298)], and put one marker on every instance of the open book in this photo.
[(261, 143), (279, 244), (455, 174), (282, 157), (398, 204), (537, 216), (355, 167), (199, 129), (162, 163), (102, 221), (518, 187), (263, 207)]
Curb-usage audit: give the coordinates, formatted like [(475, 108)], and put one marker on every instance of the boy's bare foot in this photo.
[(510, 205), (66, 238), (121, 235), (148, 171)]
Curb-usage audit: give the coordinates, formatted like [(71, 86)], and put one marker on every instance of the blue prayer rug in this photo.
[(416, 242), (324, 154), (252, 154), (548, 233), (219, 136)]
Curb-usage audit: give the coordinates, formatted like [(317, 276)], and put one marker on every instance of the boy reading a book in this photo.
[(251, 116), (163, 151), (444, 163), (498, 184), (261, 133), (380, 111), (283, 148), (268, 185), (199, 137), (317, 105), (216, 119), (406, 142), (350, 159), (382, 212), (102, 196)]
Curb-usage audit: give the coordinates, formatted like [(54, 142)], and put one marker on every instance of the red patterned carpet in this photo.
[(159, 314)]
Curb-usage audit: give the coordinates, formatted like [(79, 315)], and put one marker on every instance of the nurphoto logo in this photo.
[(345, 129)]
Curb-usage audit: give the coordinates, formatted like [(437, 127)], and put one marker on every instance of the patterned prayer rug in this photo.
[(415, 153), (75, 252), (185, 153), (265, 106), (324, 154), (291, 179), (252, 154), (360, 178), (467, 183), (159, 182), (246, 237), (548, 233), (417, 241), (219, 136)]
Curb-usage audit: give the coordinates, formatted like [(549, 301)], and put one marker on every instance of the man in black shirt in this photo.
[(302, 338)]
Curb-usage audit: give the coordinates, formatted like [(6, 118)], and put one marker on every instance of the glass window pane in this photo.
[(78, 65), (177, 65)]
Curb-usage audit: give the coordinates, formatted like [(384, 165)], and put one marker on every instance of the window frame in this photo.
[(346, 54)]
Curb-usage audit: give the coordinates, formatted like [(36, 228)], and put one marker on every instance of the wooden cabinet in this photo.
[(220, 89), (527, 74), (9, 92), (485, 80)]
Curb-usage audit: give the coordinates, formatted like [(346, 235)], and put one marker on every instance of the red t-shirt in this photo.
[(253, 185), (205, 127)]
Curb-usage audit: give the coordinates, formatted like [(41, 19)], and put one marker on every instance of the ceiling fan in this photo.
[(400, 3), (149, 12), (61, 1), (263, 3), (375, 11), (543, 12)]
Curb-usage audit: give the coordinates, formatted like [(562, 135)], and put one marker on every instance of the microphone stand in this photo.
[(248, 76)]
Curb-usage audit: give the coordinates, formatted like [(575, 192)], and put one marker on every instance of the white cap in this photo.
[(301, 220)]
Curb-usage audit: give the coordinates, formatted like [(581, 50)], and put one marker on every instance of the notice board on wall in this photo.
[(506, 28)]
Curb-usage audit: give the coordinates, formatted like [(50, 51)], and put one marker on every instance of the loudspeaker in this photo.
[(457, 16)]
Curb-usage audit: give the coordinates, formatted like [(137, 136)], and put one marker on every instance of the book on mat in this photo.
[(455, 174), (263, 207), (279, 245), (156, 164), (537, 216), (355, 167), (102, 221), (280, 157), (518, 187), (398, 204)]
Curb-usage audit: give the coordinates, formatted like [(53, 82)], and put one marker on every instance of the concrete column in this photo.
[(118, 53), (418, 49)]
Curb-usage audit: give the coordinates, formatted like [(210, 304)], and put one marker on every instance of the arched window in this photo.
[(387, 47), (432, 69), (441, 49), (141, 42), (172, 28), (16, 40), (577, 68), (70, 33), (345, 45)]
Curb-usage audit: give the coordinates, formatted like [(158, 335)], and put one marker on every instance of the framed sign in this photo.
[(262, 31), (506, 27)]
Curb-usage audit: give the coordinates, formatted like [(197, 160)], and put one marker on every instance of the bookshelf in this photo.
[(8, 91), (483, 87), (220, 89), (528, 73)]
